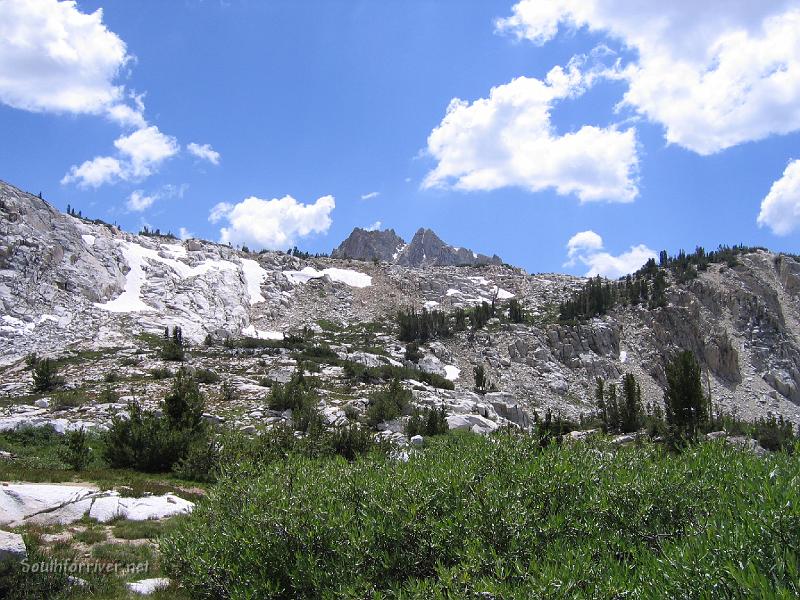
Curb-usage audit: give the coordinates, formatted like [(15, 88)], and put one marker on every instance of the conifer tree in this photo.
[(686, 404)]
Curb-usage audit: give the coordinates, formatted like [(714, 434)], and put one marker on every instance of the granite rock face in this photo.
[(70, 286), (425, 250)]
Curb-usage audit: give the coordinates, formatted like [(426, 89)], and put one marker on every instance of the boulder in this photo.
[(430, 364), (12, 547), (507, 407), (417, 440)]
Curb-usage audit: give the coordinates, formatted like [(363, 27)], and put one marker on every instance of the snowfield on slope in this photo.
[(136, 256), (346, 276)]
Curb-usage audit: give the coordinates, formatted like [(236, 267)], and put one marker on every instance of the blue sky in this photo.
[(304, 108)]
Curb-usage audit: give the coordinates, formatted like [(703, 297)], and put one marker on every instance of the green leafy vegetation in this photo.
[(501, 517), (76, 452)]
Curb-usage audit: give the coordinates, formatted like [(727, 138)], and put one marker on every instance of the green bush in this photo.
[(172, 351), (45, 375), (160, 373), (148, 442), (297, 394), (145, 442), (76, 452), (388, 403), (206, 376), (473, 517), (428, 422), (201, 462)]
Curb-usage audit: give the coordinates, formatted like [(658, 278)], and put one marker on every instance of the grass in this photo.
[(123, 554), (91, 535), (503, 518), (137, 530)]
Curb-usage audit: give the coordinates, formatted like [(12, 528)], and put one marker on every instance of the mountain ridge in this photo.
[(70, 285), (426, 249)]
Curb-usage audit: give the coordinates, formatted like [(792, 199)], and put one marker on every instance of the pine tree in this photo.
[(481, 382), (686, 405), (631, 408), (184, 405), (600, 399), (516, 313)]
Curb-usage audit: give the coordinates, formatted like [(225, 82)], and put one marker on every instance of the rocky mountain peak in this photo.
[(370, 245), (426, 249)]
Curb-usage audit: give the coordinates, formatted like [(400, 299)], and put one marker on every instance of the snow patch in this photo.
[(501, 293), (254, 275), (479, 280), (17, 326), (454, 292), (251, 331), (130, 299), (135, 255), (623, 356), (346, 276), (451, 372), (174, 250), (430, 304)]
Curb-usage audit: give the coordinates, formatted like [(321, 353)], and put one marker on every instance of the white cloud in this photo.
[(274, 224), (204, 152), (508, 139), (375, 226), (780, 209), (218, 211), (587, 247), (127, 116), (95, 172), (185, 234), (714, 73), (582, 242), (139, 201), (55, 58), (370, 195), (140, 155), (146, 149)]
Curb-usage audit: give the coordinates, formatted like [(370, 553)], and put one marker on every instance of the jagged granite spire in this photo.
[(425, 249)]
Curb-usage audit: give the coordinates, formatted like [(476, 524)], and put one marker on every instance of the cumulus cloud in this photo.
[(714, 73), (140, 201), (95, 172), (54, 58), (146, 149), (141, 153), (375, 226), (218, 211), (273, 224), (370, 195), (203, 152), (185, 234), (587, 247), (780, 209), (582, 242), (508, 139)]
